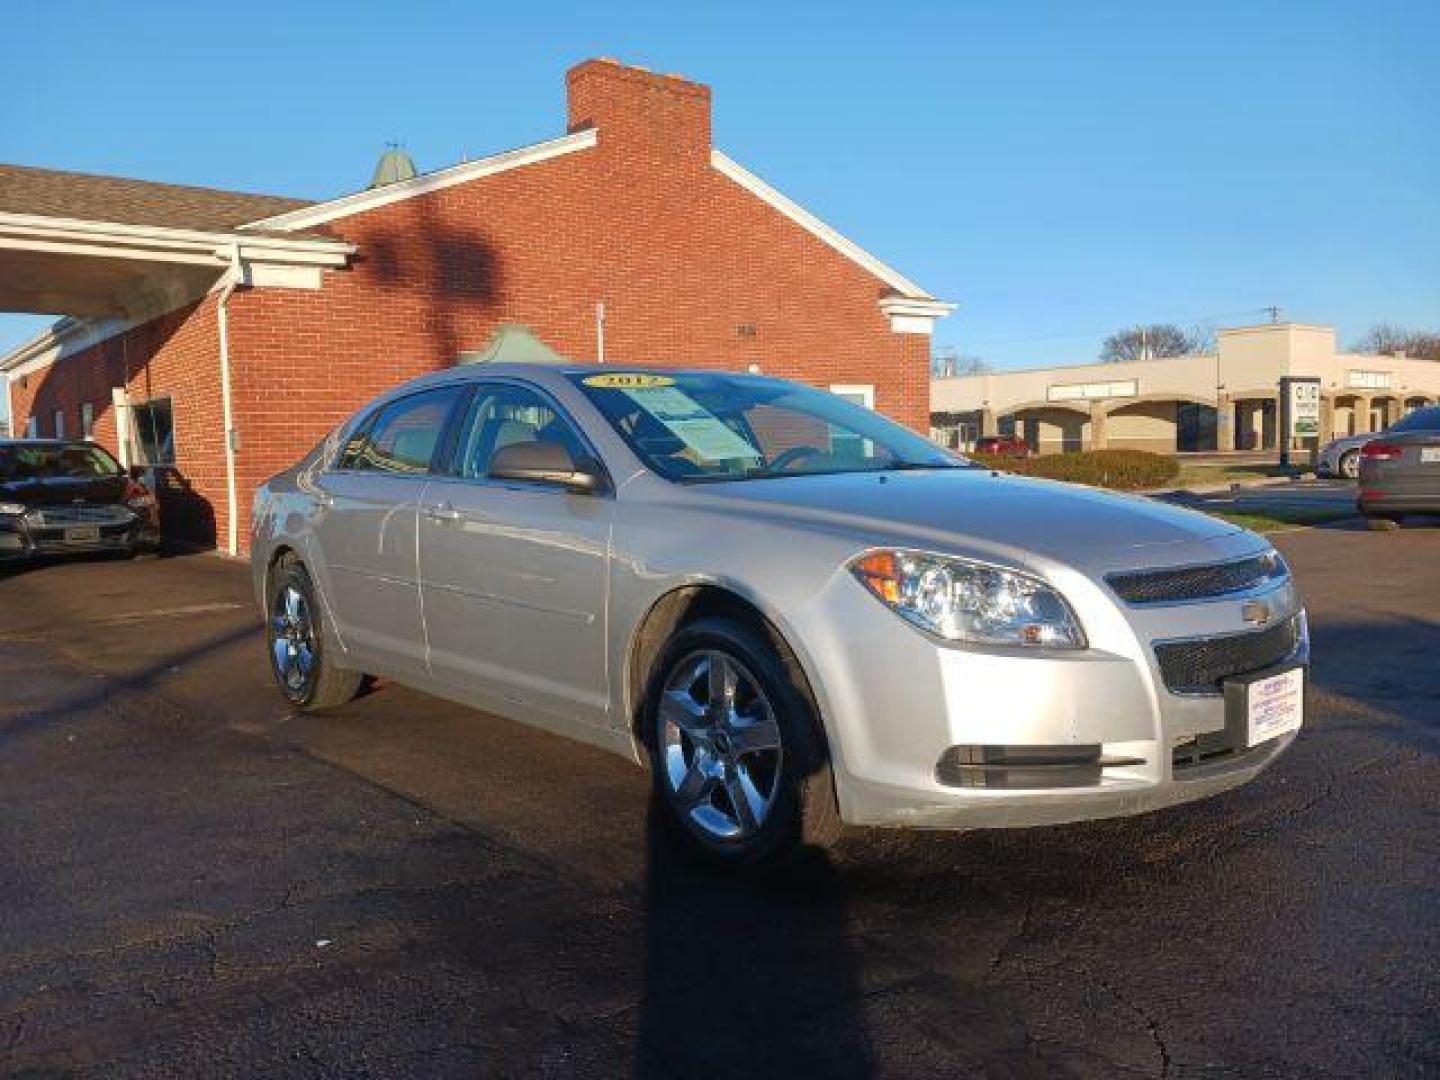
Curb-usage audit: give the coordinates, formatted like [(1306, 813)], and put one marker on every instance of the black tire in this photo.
[(1348, 467), (804, 810), (1383, 522), (324, 685)]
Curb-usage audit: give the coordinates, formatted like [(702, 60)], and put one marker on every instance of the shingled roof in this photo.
[(115, 199)]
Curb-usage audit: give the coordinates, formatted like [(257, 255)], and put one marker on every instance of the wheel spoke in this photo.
[(293, 604), (677, 707), (280, 648), (754, 736), (696, 785), (721, 682), (748, 805)]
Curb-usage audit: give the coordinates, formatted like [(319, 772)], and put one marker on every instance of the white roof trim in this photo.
[(90, 237), (310, 216), (59, 339), (806, 220)]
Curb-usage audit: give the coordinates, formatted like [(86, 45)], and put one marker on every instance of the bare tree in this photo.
[(1150, 342), (948, 361), (1384, 339)]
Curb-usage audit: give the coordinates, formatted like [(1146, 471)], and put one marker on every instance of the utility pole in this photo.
[(1274, 313)]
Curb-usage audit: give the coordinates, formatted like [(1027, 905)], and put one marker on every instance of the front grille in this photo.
[(1197, 582), (1201, 666), (80, 514)]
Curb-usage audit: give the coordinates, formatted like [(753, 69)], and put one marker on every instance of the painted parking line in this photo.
[(166, 613)]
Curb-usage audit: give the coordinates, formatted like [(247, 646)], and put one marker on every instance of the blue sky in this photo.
[(1058, 170)]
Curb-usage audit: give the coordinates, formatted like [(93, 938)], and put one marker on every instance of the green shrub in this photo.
[(1123, 470)]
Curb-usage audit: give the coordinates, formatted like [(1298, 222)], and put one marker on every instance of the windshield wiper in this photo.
[(914, 466)]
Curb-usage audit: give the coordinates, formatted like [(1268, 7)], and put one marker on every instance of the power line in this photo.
[(1273, 312)]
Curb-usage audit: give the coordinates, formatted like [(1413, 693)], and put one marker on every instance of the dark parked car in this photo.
[(58, 497), (1400, 470), (1002, 446)]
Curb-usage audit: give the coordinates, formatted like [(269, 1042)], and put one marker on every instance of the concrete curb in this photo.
[(1232, 485)]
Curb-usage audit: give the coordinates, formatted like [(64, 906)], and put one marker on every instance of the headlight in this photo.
[(967, 601), (12, 508)]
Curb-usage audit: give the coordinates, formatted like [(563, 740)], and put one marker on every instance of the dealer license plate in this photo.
[(82, 534), (1430, 454), (1274, 706)]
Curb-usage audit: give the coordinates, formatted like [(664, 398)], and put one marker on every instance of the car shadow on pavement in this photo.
[(745, 973)]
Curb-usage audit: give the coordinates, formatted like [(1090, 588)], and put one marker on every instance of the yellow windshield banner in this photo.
[(628, 380)]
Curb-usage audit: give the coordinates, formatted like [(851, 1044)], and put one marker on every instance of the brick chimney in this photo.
[(636, 110)]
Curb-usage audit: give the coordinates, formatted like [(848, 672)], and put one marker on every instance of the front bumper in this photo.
[(21, 539), (898, 702)]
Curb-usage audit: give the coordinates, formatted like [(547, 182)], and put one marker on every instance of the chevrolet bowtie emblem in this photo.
[(1255, 612)]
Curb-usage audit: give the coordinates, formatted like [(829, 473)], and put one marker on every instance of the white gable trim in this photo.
[(808, 221), (309, 216)]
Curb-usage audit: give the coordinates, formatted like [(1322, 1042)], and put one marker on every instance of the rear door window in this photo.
[(405, 435)]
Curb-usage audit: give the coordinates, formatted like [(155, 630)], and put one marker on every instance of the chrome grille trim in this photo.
[(1206, 581), (1201, 665)]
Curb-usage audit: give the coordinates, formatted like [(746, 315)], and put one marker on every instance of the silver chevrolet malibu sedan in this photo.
[(796, 613)]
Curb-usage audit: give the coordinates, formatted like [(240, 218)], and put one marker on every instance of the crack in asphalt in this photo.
[(1013, 939), (1151, 1024)]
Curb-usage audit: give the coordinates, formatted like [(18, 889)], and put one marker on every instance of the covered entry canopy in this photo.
[(103, 247)]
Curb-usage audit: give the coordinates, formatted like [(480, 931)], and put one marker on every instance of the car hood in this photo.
[(975, 509), (59, 490)]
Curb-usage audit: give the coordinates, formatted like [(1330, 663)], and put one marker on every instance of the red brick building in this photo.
[(220, 335)]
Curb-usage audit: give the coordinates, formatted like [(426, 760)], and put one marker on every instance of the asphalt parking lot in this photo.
[(194, 881)]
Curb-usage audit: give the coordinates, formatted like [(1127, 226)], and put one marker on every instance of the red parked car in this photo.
[(1002, 446)]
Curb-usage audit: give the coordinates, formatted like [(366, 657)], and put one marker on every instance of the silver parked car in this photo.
[(1400, 470), (1341, 457), (796, 612)]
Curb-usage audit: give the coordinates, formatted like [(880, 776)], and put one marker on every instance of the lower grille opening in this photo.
[(1201, 665), (1014, 767), (1203, 750)]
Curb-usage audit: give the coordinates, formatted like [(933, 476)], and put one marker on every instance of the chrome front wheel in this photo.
[(723, 752)]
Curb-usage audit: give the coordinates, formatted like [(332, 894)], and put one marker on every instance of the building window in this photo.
[(32, 428), (154, 432), (846, 445), (59, 423), (857, 394), (87, 420)]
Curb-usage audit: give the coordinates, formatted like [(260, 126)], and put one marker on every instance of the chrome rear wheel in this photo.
[(292, 640), (296, 643)]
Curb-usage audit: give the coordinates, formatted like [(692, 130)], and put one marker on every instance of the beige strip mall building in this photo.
[(1226, 400)]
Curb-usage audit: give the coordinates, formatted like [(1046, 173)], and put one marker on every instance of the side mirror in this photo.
[(545, 463)]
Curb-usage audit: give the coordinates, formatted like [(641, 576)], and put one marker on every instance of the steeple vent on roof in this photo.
[(394, 165)]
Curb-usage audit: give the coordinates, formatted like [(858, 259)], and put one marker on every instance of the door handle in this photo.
[(442, 512)]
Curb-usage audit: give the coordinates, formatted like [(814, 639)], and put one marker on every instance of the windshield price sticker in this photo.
[(694, 425), (628, 381)]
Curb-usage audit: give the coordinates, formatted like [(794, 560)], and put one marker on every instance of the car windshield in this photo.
[(49, 461), (1426, 419), (698, 427)]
